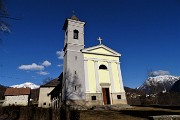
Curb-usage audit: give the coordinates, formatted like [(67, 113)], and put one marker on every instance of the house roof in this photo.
[(52, 83), (17, 91)]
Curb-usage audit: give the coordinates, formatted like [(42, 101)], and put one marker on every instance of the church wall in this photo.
[(91, 77), (119, 101), (115, 77), (101, 50), (74, 67), (101, 57), (104, 76)]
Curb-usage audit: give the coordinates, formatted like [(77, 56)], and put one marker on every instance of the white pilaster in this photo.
[(120, 77), (97, 76), (86, 75), (111, 77)]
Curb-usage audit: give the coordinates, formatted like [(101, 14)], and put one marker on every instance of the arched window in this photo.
[(103, 67), (76, 32)]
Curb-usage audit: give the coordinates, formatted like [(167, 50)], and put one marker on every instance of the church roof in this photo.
[(101, 50), (73, 17)]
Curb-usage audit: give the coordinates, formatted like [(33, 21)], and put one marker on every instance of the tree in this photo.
[(71, 90), (4, 16), (4, 26)]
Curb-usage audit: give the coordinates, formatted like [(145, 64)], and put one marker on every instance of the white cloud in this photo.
[(42, 73), (159, 72), (34, 66), (60, 54), (60, 65), (46, 63)]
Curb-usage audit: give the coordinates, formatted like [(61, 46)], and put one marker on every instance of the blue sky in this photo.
[(145, 32)]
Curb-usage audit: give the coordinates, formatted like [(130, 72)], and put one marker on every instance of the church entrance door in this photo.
[(106, 96)]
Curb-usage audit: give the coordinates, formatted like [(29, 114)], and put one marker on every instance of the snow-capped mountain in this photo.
[(26, 85), (160, 83)]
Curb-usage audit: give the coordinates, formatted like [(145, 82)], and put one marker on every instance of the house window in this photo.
[(75, 57), (76, 32), (93, 97), (118, 96), (103, 67), (44, 103), (75, 72), (75, 88)]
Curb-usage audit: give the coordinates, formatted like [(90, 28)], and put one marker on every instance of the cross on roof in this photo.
[(100, 40)]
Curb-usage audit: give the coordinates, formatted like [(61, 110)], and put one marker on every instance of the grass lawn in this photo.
[(136, 113)]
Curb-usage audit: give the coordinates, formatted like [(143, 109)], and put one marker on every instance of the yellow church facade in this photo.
[(103, 79)]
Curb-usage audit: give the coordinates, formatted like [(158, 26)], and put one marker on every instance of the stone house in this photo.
[(17, 96)]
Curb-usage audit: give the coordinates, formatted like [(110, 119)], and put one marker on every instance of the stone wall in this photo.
[(28, 113)]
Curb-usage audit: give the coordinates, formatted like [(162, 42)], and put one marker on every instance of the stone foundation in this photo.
[(99, 99), (95, 99), (90, 102), (116, 100)]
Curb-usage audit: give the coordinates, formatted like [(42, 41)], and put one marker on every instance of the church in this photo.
[(91, 76)]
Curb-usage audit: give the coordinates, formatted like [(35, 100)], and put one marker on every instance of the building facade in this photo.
[(17, 96), (91, 76), (44, 96)]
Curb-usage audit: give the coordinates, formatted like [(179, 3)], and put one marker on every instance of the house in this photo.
[(44, 90), (17, 96), (91, 76), (55, 94)]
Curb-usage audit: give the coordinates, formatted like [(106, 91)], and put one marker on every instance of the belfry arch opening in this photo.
[(75, 34)]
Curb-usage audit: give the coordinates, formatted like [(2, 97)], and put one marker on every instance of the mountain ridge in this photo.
[(26, 85), (161, 83)]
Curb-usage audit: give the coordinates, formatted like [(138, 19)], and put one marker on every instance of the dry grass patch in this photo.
[(137, 113)]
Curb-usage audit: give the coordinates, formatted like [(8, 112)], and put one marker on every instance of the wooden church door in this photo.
[(106, 96)]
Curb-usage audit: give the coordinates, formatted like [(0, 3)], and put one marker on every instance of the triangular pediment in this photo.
[(101, 50)]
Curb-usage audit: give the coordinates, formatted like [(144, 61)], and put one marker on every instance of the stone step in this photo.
[(111, 107)]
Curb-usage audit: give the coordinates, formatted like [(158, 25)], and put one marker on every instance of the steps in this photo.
[(111, 107)]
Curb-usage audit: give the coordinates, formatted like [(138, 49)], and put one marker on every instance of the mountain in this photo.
[(26, 85), (161, 83), (176, 86)]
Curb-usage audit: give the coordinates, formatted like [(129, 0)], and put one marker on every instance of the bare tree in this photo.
[(4, 26), (4, 16), (71, 91)]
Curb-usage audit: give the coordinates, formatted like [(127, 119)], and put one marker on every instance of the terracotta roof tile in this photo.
[(17, 91)]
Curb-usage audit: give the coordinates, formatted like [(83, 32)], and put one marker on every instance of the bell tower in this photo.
[(73, 57), (74, 32)]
